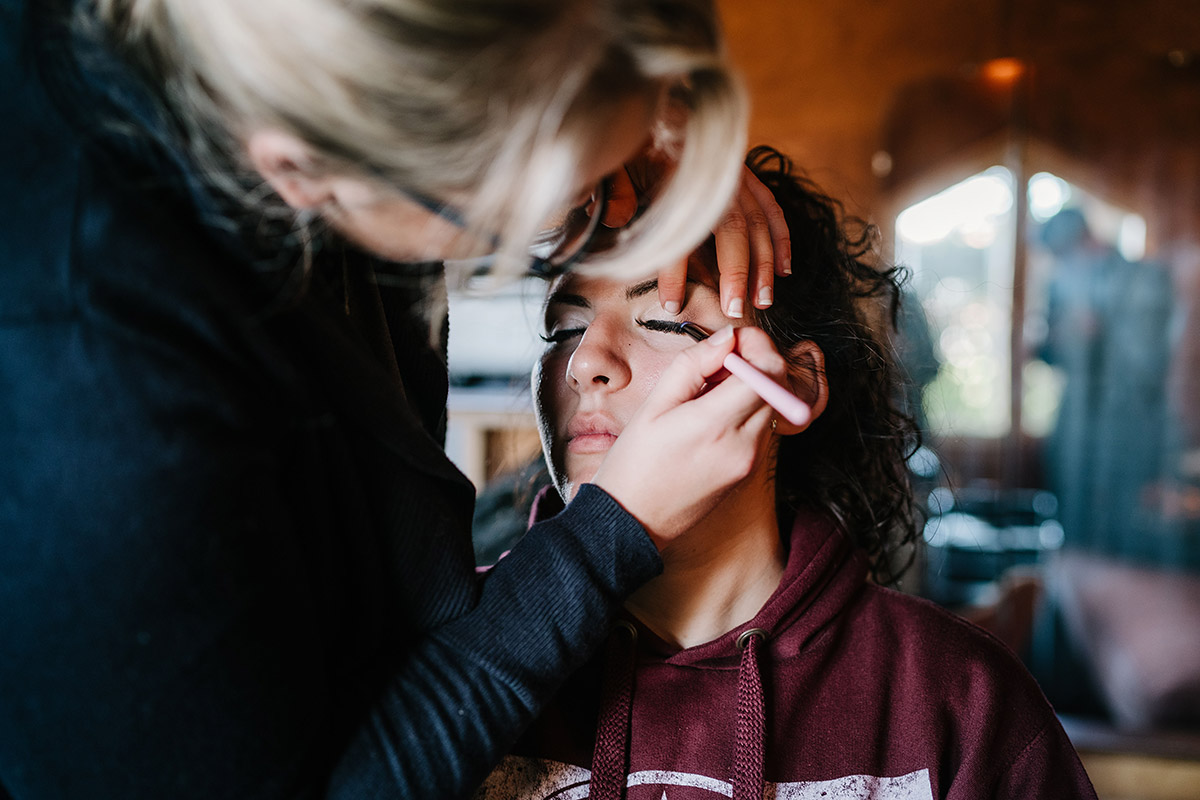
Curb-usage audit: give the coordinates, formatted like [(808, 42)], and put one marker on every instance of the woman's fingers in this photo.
[(680, 454), (754, 345), (762, 254), (733, 400), (687, 374), (781, 237), (672, 286), (753, 244), (732, 238)]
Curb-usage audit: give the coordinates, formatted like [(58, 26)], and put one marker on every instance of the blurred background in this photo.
[(1036, 164)]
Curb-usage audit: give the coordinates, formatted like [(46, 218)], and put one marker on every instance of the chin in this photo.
[(571, 487)]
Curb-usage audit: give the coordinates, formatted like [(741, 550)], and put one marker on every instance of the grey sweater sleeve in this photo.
[(467, 690)]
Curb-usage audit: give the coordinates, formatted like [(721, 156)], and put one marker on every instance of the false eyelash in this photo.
[(659, 325), (663, 326)]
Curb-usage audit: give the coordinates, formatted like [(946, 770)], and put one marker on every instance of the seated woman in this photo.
[(767, 657)]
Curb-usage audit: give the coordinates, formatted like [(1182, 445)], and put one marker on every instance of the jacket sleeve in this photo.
[(173, 624), (468, 689), (160, 632)]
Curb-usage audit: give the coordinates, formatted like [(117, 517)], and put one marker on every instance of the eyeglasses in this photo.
[(566, 243), (563, 244)]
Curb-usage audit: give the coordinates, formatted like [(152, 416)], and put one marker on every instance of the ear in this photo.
[(291, 167), (806, 378)]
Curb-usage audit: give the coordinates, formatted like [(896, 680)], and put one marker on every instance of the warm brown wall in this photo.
[(1115, 86), (822, 73)]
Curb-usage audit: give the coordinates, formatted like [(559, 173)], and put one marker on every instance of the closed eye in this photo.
[(560, 336)]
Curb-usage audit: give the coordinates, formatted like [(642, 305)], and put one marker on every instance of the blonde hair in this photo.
[(499, 101)]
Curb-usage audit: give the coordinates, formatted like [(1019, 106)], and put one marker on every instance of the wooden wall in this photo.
[(1111, 93)]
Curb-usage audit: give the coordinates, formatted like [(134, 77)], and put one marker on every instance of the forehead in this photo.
[(582, 289)]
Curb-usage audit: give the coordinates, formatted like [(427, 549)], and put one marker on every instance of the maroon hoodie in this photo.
[(846, 690)]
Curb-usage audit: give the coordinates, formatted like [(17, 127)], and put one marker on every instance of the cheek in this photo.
[(552, 399), (378, 228), (395, 229), (645, 373)]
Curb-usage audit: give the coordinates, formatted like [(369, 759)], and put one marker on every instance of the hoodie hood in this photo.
[(824, 571), (822, 575)]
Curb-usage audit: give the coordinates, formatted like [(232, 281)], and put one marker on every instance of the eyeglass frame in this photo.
[(542, 266)]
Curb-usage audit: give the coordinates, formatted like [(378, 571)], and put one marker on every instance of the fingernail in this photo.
[(671, 307), (721, 336), (735, 308), (765, 297), (787, 266)]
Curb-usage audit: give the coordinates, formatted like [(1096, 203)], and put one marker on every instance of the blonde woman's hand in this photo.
[(686, 448), (753, 246), (753, 242)]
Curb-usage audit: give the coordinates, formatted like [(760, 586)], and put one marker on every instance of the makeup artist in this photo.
[(234, 560)]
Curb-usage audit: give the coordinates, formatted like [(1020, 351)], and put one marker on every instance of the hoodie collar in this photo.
[(823, 573), (820, 577)]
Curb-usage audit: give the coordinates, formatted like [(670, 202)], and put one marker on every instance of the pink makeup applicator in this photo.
[(791, 407)]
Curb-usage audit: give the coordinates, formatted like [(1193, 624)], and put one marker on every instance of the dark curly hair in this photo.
[(852, 460)]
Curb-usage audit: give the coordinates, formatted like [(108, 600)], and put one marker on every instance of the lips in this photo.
[(591, 433), (590, 443)]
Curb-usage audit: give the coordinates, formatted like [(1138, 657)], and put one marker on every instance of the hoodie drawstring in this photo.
[(610, 759), (751, 720)]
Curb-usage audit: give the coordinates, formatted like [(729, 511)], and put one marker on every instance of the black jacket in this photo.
[(234, 561)]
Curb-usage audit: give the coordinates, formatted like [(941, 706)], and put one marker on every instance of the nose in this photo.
[(598, 363)]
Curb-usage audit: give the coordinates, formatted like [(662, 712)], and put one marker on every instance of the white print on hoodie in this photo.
[(519, 778)]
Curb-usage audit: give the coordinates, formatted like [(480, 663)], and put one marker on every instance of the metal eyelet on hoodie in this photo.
[(745, 637)]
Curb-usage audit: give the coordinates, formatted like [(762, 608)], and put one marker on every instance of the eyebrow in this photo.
[(567, 299), (640, 289), (632, 293)]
